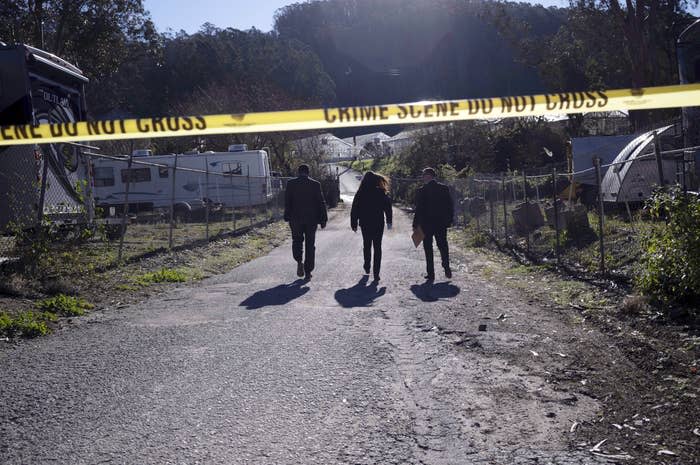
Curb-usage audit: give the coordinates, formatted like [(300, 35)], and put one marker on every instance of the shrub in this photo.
[(64, 305), (670, 262), (163, 275), (26, 324)]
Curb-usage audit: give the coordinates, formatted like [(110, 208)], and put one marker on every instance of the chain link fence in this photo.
[(169, 206), (44, 189), (186, 207), (592, 221), (142, 206)]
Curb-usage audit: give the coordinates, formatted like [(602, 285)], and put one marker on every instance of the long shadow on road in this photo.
[(429, 292), (360, 295), (278, 295)]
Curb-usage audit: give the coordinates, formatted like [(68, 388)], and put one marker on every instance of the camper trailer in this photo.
[(235, 178), (41, 181)]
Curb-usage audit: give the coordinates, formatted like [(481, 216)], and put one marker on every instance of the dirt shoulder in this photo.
[(642, 370), (135, 281)]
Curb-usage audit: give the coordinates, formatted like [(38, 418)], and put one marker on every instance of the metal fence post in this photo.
[(601, 212), (268, 204), (125, 209), (250, 201), (505, 209), (627, 204), (657, 154), (42, 192), (492, 214), (279, 192), (89, 198), (556, 213), (525, 200), (207, 200), (687, 159), (172, 205), (233, 201)]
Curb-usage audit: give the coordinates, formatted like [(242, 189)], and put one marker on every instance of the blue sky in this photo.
[(240, 14)]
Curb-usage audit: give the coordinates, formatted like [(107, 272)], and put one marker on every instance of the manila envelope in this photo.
[(417, 236)]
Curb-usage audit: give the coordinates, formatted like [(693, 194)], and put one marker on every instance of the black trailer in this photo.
[(49, 181)]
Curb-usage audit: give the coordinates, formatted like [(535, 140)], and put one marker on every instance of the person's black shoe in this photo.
[(300, 269), (307, 276), (429, 277), (448, 273), (376, 278), (366, 267)]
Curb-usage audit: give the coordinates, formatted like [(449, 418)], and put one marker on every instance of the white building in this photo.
[(325, 146)]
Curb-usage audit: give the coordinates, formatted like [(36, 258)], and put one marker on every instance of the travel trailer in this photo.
[(236, 178), (48, 181)]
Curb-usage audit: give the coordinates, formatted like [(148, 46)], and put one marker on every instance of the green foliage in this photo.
[(96, 34), (26, 324), (603, 44), (64, 305), (383, 51), (52, 250), (164, 275), (670, 263), (479, 239), (5, 322)]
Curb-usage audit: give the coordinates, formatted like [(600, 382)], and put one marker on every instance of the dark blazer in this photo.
[(434, 206), (369, 208), (304, 202)]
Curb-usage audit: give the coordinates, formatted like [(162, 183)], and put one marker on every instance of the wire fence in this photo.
[(148, 206), (144, 205), (591, 220)]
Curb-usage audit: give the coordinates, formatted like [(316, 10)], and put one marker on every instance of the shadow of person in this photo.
[(360, 295), (278, 295), (432, 292)]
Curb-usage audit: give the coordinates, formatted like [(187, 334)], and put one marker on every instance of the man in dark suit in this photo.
[(434, 214), (304, 209)]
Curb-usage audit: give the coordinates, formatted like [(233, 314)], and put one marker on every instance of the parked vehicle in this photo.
[(48, 181), (229, 179)]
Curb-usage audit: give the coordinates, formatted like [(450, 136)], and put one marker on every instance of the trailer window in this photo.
[(232, 169), (136, 175), (104, 177), (163, 171)]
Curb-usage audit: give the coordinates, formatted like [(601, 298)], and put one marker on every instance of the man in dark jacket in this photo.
[(304, 209), (434, 214)]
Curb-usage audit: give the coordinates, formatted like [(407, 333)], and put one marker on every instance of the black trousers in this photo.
[(304, 241), (372, 238), (440, 235)]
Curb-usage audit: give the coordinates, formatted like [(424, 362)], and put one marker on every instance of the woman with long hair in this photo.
[(369, 207)]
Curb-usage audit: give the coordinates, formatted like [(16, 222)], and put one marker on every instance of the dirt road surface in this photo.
[(256, 366)]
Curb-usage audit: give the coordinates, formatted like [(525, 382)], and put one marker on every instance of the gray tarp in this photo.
[(586, 148)]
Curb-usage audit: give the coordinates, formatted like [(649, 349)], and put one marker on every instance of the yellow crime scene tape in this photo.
[(649, 98)]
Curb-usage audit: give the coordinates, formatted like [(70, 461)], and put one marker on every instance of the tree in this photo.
[(387, 51), (90, 33), (604, 44)]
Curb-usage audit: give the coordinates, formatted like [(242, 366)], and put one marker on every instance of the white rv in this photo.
[(232, 179)]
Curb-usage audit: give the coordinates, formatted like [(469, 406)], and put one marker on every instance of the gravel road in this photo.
[(256, 366)]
